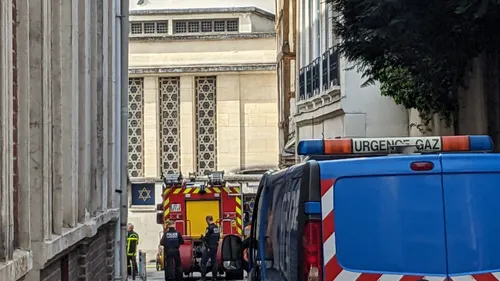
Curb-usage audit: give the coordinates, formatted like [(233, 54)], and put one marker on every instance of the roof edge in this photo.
[(253, 10)]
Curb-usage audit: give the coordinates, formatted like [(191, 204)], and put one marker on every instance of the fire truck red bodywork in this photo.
[(174, 206)]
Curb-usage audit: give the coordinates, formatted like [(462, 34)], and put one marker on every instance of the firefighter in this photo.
[(171, 241), (211, 242), (132, 243)]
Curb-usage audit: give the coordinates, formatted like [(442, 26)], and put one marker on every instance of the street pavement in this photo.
[(153, 275)]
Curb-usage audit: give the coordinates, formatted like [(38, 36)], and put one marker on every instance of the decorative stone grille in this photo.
[(169, 125), (135, 127), (206, 124)]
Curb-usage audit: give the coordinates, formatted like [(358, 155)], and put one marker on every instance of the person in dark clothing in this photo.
[(171, 241), (132, 243), (211, 242), (246, 214)]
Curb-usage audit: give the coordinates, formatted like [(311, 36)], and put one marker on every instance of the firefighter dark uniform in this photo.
[(171, 241), (211, 241), (132, 243)]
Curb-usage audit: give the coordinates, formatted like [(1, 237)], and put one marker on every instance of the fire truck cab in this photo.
[(187, 203)]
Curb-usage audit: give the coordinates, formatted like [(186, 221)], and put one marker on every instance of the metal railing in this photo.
[(320, 75)]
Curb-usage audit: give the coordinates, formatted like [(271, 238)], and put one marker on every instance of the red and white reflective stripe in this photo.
[(333, 271)]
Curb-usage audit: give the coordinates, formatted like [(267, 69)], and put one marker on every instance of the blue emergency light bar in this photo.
[(383, 145)]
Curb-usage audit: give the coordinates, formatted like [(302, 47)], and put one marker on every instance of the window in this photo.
[(169, 125), (143, 194), (135, 127), (194, 26), (136, 28), (318, 59), (232, 25), (181, 27), (205, 26), (161, 27), (206, 134), (150, 27), (219, 26)]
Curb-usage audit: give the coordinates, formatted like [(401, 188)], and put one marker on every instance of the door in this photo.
[(196, 212), (471, 184), (377, 210)]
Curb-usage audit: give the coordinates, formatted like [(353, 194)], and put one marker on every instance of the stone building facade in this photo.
[(202, 94), (59, 140), (320, 93)]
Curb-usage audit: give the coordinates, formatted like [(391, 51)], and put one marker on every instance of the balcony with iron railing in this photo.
[(319, 82)]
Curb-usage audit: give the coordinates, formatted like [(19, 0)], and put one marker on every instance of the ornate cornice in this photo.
[(253, 10), (222, 36), (204, 68)]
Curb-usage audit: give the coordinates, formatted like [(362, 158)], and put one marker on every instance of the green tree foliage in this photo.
[(420, 51)]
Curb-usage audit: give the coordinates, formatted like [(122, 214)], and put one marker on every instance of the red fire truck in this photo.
[(187, 203)]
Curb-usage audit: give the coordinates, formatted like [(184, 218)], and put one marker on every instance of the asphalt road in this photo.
[(153, 275)]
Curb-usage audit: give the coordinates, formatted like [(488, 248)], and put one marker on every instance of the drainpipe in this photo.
[(119, 54), (124, 22)]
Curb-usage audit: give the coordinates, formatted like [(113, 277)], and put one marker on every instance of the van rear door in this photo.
[(378, 201), (389, 218), (471, 184)]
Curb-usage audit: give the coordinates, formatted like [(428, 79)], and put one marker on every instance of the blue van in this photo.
[(394, 209)]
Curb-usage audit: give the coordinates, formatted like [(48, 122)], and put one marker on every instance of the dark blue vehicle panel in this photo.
[(472, 191), (278, 223)]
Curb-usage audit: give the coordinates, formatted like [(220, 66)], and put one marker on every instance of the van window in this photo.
[(373, 214)]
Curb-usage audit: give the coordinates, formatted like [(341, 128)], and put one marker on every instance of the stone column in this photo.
[(6, 132), (84, 157), (96, 108), (151, 126), (106, 91), (23, 130), (69, 110), (188, 125), (58, 103), (40, 114)]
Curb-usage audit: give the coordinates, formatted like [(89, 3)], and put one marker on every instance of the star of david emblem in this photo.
[(144, 194)]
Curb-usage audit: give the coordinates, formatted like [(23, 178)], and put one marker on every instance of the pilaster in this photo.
[(188, 125), (84, 56), (229, 129), (56, 103), (151, 125), (6, 133)]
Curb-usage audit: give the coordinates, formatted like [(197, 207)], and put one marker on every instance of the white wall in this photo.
[(261, 24), (382, 116)]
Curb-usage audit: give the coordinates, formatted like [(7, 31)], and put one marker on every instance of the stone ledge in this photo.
[(142, 209), (17, 267), (71, 236), (319, 107), (211, 68), (254, 10), (200, 36)]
